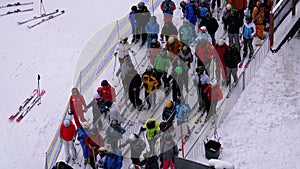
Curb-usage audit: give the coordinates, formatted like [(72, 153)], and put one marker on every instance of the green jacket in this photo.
[(162, 63)]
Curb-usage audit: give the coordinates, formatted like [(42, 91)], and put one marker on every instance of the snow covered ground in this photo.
[(261, 131)]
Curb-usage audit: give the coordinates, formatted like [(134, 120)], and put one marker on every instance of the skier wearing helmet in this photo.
[(137, 146), (234, 22), (167, 7), (114, 133), (107, 93), (67, 136), (152, 30), (169, 113), (122, 50), (98, 108)]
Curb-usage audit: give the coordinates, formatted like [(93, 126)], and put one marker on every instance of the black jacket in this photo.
[(232, 57)]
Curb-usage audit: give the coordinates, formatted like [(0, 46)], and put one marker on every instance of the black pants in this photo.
[(248, 44), (213, 4)]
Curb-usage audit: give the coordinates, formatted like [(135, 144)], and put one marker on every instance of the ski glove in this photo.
[(71, 112)]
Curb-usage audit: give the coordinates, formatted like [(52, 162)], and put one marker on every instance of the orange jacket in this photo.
[(258, 15), (174, 48)]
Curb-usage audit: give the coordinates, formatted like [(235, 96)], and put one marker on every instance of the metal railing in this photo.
[(197, 149)]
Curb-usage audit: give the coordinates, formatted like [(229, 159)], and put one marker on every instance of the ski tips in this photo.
[(19, 118), (11, 118)]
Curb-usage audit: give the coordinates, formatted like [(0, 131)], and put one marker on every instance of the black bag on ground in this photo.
[(212, 149), (61, 165)]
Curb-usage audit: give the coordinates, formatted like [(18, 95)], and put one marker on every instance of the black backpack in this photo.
[(61, 165)]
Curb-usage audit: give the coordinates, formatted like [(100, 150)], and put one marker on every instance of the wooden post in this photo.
[(294, 8)]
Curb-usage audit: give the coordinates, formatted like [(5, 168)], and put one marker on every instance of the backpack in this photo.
[(61, 165)]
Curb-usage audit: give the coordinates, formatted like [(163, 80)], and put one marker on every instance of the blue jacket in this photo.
[(152, 27), (183, 112), (202, 12), (82, 134), (134, 24), (114, 161), (186, 34), (190, 13), (249, 30)]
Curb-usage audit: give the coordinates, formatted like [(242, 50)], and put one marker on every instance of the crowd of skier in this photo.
[(175, 55)]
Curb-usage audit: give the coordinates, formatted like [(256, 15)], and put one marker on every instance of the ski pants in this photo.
[(229, 72), (248, 44), (166, 164), (69, 145), (234, 40), (213, 4)]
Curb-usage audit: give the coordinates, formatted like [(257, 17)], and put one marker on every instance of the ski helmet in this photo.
[(221, 42), (104, 83), (249, 18), (149, 69), (169, 104), (141, 5), (67, 123), (134, 8), (203, 29), (153, 18), (185, 48), (214, 82), (114, 122), (97, 96)]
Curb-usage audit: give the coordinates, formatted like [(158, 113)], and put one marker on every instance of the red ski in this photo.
[(33, 103), (25, 103)]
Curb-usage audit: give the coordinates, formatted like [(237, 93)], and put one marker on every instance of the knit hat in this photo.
[(178, 69), (171, 40)]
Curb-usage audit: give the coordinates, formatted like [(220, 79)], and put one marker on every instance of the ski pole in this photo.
[(39, 77)]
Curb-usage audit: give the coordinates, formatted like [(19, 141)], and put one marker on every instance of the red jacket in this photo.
[(238, 4), (108, 93), (213, 93), (221, 60), (67, 133), (96, 141), (204, 51), (77, 103)]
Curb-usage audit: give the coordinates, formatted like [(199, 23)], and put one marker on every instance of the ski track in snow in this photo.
[(267, 114)]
